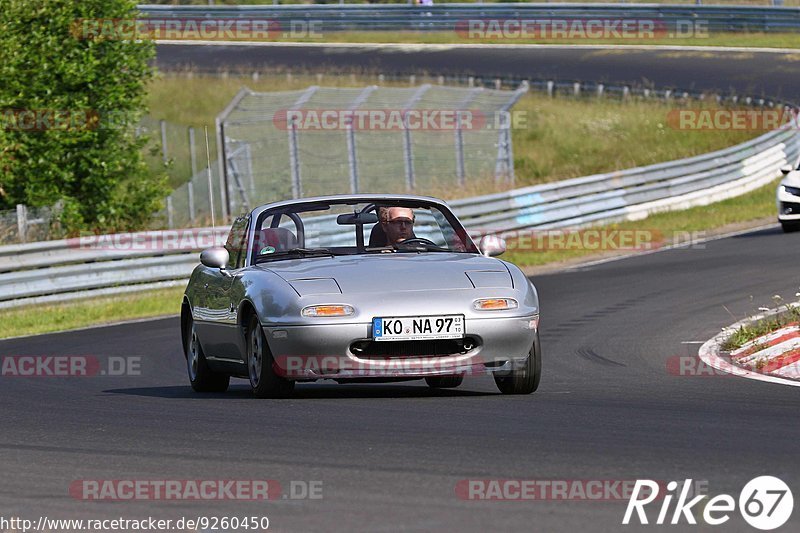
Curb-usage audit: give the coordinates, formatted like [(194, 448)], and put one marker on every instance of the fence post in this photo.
[(222, 163), (351, 138), (407, 151), (190, 192), (163, 125), (249, 155), (294, 164), (291, 127), (22, 222), (504, 165), (170, 221), (192, 151), (459, 140)]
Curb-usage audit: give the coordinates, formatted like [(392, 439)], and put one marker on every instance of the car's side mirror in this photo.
[(785, 169), (492, 245), (216, 257)]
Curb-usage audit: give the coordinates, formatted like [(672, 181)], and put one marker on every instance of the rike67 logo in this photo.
[(765, 503)]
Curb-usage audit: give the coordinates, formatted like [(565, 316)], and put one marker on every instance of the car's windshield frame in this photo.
[(263, 215)]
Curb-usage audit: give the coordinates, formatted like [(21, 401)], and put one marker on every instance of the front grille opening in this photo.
[(401, 349)]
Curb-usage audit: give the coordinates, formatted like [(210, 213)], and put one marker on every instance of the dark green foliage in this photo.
[(48, 68)]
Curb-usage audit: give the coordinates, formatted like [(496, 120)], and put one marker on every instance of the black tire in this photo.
[(444, 382), (525, 379), (260, 365), (790, 227), (202, 378)]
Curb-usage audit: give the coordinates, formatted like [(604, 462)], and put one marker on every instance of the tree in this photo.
[(70, 103)]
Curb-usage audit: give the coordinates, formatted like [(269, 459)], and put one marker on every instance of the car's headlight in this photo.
[(791, 190), (494, 304), (328, 310)]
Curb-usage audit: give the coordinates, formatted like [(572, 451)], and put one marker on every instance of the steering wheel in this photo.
[(421, 240)]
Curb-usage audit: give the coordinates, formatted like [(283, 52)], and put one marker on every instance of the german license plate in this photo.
[(414, 328)]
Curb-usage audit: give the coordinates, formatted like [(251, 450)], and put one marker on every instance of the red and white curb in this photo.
[(775, 354), (774, 357)]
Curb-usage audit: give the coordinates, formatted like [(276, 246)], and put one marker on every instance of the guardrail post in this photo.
[(22, 223), (576, 89), (550, 87), (600, 88)]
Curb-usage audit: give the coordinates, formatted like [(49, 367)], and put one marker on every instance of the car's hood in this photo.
[(380, 273)]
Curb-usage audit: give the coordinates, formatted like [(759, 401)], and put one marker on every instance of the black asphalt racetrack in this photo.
[(739, 72), (390, 456)]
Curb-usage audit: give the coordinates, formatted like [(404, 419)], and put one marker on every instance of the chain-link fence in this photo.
[(28, 224), (175, 149), (426, 139)]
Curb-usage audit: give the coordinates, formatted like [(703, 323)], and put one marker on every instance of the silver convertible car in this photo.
[(358, 288)]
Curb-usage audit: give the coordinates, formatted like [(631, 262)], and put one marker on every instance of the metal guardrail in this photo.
[(449, 17), (74, 268)]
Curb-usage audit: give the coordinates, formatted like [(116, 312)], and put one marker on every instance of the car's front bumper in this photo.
[(788, 205), (324, 351)]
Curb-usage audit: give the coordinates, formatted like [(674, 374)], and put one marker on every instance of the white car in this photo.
[(788, 199)]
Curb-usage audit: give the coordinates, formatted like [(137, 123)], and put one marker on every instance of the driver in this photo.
[(397, 223)]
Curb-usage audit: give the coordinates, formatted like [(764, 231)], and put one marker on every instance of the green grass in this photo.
[(749, 332), (663, 227), (557, 138), (32, 320)]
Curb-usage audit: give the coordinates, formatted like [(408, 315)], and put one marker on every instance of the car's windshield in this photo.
[(343, 229)]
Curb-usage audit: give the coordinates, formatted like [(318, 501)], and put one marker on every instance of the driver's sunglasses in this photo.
[(400, 221)]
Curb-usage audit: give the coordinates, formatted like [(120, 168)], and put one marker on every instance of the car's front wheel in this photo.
[(444, 382), (525, 379), (202, 378), (266, 383)]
